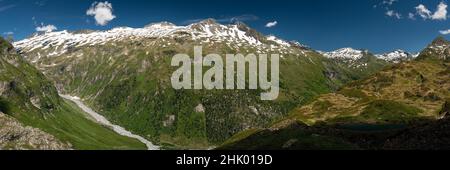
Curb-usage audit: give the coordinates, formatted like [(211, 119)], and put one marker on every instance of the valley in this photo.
[(126, 77), (344, 99)]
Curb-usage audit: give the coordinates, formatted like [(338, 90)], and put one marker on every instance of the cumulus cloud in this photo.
[(271, 24), (445, 32), (440, 14), (102, 12), (392, 13), (423, 11), (46, 28)]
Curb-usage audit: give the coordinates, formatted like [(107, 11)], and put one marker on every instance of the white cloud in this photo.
[(271, 24), (102, 12), (445, 32), (392, 13), (425, 13), (46, 28), (441, 13)]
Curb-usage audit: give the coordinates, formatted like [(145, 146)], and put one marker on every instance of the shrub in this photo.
[(5, 107), (388, 110), (354, 93)]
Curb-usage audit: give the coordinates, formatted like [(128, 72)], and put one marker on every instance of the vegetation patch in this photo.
[(387, 110), (5, 107), (354, 93)]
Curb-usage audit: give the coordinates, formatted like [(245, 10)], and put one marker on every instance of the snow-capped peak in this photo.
[(439, 46), (204, 31), (208, 31), (395, 56), (298, 44), (345, 53), (160, 25), (278, 41)]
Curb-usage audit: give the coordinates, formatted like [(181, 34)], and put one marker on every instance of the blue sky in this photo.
[(377, 25)]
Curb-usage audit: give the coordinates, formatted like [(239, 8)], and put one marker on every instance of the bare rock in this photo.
[(200, 108), (15, 136)]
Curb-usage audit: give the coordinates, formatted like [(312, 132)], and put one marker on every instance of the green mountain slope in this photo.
[(31, 99), (16, 136), (126, 77), (374, 112)]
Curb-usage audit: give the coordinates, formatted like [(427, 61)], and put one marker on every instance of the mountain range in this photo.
[(404, 106), (124, 74)]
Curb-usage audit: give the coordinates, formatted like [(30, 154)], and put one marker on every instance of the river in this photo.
[(102, 120)]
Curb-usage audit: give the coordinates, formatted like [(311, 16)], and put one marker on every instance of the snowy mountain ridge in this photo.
[(344, 53), (396, 56), (207, 31)]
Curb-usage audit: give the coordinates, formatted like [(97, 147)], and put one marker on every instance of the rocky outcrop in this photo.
[(200, 108), (15, 136), (5, 46), (438, 49), (445, 111)]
